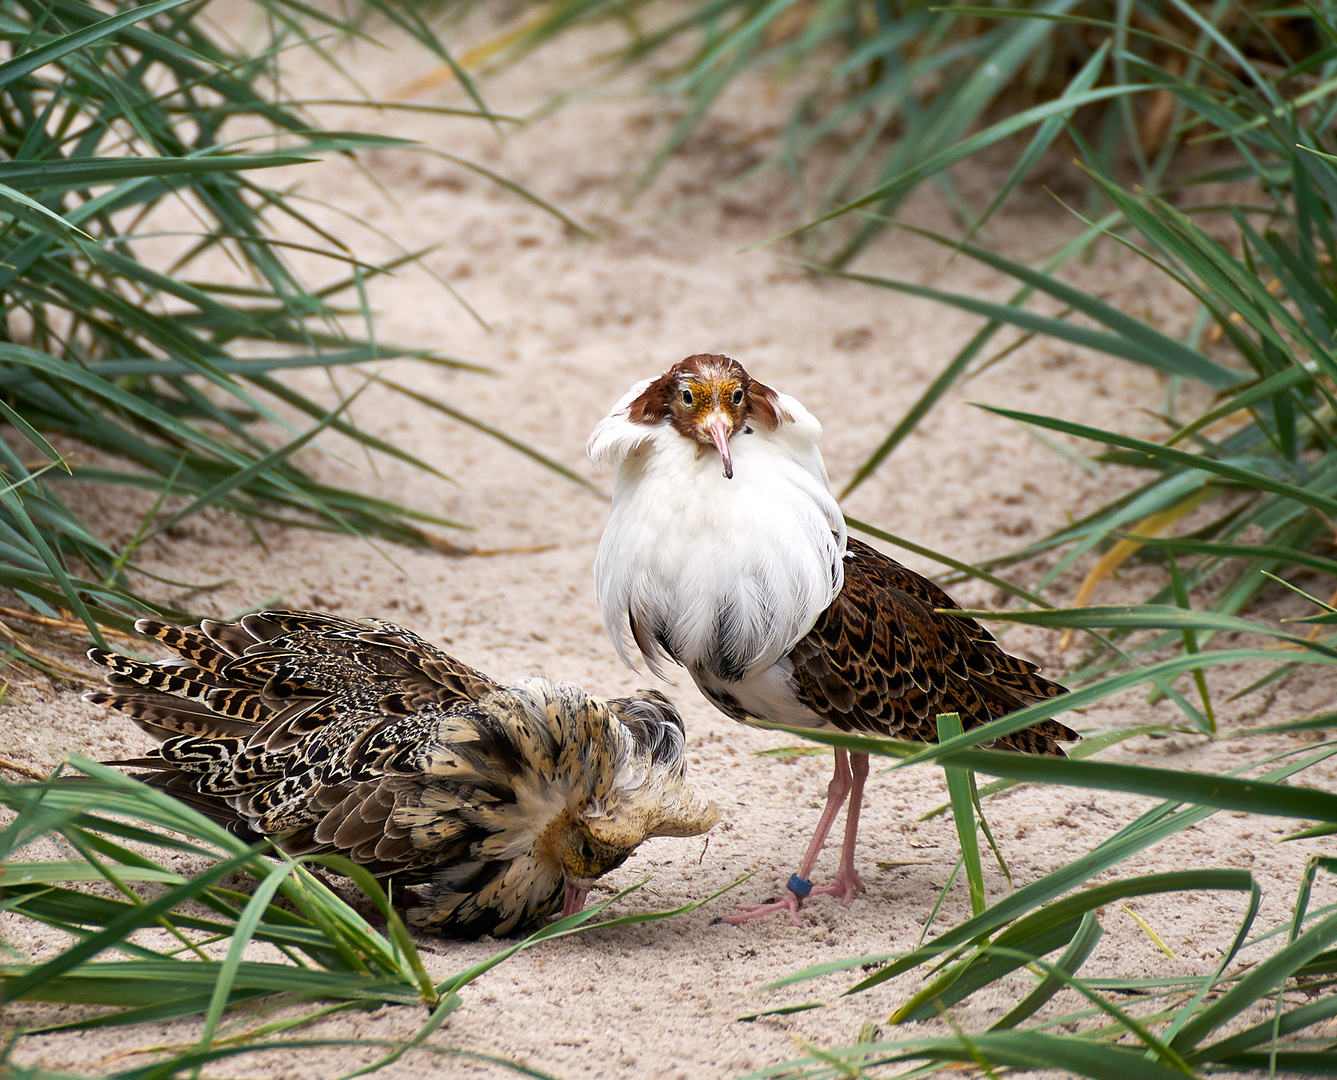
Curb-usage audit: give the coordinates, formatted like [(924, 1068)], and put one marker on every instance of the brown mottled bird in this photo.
[(725, 552), (488, 807)]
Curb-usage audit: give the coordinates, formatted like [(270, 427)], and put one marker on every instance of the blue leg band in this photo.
[(800, 887)]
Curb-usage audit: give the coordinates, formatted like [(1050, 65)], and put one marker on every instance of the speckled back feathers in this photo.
[(881, 660)]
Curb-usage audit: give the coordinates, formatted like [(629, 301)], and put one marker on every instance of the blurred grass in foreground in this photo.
[(180, 950)]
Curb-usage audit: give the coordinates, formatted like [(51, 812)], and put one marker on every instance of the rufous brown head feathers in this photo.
[(708, 398)]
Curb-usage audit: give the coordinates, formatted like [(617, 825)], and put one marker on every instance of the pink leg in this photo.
[(837, 791), (848, 882)]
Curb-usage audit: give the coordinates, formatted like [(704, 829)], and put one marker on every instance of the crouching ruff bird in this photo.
[(486, 807), (725, 552)]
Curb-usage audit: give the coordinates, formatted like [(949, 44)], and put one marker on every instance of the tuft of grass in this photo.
[(901, 90), (1260, 460), (1177, 1025), (170, 366)]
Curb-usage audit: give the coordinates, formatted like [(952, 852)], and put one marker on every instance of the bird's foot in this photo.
[(746, 913), (799, 887), (845, 886)]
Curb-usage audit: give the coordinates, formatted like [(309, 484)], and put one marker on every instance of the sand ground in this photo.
[(569, 325)]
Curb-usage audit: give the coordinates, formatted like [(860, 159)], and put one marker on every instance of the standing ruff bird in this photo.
[(725, 552), (487, 807)]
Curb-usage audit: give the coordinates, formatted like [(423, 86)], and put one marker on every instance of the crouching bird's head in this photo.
[(534, 793)]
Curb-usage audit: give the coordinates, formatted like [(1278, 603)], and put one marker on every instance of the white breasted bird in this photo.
[(487, 807), (725, 552)]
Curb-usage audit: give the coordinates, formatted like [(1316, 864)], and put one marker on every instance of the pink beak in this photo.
[(719, 429), (576, 891)]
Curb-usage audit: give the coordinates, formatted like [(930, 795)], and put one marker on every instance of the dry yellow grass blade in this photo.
[(1146, 929), (472, 60), (71, 626), (22, 769), (1126, 549), (25, 649)]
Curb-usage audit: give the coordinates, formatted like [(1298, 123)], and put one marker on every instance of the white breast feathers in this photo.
[(721, 575)]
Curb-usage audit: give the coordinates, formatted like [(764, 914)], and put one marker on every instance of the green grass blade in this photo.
[(1084, 941), (241, 938), (34, 59), (954, 370), (493, 432), (1190, 1008), (1145, 617), (996, 132), (264, 465), (1073, 699), (1250, 478), (1131, 338), (1226, 1050), (21, 987), (72, 175), (1043, 138), (965, 568), (1261, 980), (963, 812)]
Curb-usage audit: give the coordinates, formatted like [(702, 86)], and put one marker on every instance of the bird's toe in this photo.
[(846, 886), (748, 912)]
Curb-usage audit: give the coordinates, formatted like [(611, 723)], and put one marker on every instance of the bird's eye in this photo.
[(687, 398), (738, 396)]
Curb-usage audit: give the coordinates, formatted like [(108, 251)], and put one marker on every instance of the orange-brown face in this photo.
[(708, 399), (709, 407)]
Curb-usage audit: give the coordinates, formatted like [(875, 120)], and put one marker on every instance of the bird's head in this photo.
[(603, 833), (708, 399), (584, 858), (558, 788)]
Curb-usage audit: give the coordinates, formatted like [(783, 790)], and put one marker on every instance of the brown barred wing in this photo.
[(881, 660), (254, 716), (268, 675)]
